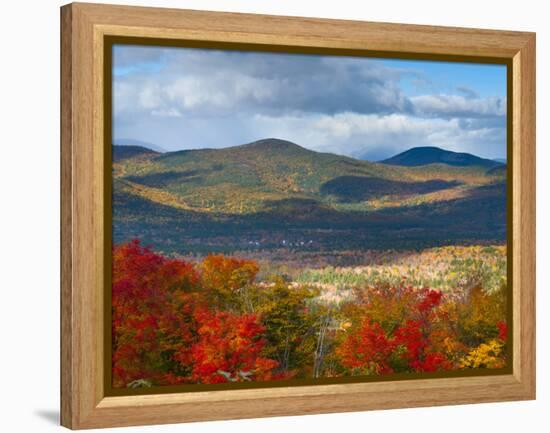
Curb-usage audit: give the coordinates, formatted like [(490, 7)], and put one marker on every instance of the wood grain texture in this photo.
[(524, 211), (67, 394), (308, 32), (84, 26)]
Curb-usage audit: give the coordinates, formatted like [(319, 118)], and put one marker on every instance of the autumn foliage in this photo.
[(164, 332), (405, 340), (176, 322)]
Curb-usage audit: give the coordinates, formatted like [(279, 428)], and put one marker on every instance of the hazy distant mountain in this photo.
[(130, 151), (501, 160), (133, 142), (434, 155)]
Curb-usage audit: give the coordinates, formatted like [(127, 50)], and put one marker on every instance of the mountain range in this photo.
[(269, 190), (140, 143), (434, 155)]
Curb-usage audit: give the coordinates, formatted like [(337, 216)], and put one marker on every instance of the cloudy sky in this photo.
[(184, 98)]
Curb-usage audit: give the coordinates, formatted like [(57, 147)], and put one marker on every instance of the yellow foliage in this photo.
[(480, 313), (486, 355)]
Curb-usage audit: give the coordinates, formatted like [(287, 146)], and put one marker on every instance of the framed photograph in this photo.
[(267, 215)]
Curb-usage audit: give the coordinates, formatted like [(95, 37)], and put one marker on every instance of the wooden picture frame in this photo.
[(84, 28)]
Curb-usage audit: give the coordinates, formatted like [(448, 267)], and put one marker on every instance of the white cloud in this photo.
[(456, 105), (150, 96), (218, 92), (216, 83), (375, 137), (355, 106), (171, 112)]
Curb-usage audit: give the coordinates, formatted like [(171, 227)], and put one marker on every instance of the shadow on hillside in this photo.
[(350, 189), (306, 224)]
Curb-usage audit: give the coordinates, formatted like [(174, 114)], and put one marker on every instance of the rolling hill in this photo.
[(271, 190), (241, 179), (140, 143), (434, 155), (123, 152)]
